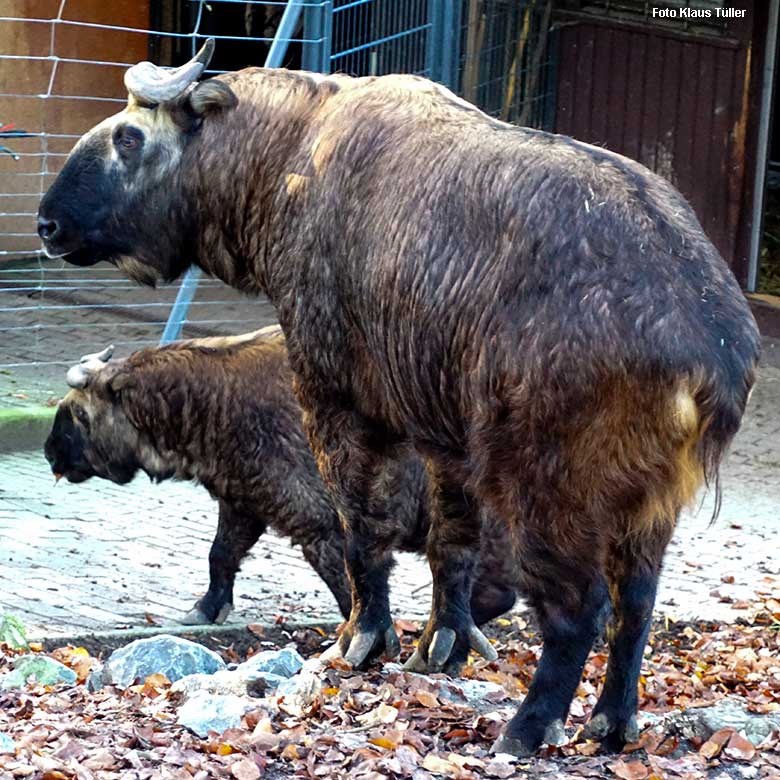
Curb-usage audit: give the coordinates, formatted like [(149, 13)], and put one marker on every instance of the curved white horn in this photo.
[(78, 376), (153, 84), (104, 356)]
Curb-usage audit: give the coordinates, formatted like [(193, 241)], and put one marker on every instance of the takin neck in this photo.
[(248, 165)]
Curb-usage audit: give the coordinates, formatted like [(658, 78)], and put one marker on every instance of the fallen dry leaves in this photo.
[(392, 724)]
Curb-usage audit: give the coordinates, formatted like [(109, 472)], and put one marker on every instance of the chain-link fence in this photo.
[(61, 68)]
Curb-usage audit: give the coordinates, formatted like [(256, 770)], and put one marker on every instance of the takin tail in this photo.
[(718, 407)]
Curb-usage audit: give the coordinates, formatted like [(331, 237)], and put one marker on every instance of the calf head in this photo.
[(119, 196), (92, 435)]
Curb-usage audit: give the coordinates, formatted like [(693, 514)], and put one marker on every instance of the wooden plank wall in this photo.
[(678, 103)]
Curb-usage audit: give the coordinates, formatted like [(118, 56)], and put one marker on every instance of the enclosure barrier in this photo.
[(61, 73)]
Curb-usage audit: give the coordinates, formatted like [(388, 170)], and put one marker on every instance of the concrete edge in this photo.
[(25, 428), (227, 631)]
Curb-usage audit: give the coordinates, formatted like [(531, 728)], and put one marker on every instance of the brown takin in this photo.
[(543, 321), (221, 411)]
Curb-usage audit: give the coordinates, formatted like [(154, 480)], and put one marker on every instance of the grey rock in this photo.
[(7, 745), (300, 692), (39, 669), (95, 680), (204, 713), (472, 692), (169, 655), (702, 722), (283, 663), (223, 683), (228, 683)]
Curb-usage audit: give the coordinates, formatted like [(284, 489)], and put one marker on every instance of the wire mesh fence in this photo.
[(61, 69)]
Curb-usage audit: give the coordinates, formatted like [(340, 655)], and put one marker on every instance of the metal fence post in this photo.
[(318, 34), (189, 284), (443, 54)]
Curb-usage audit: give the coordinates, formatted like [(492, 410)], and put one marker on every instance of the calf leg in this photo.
[(633, 574), (350, 456), (453, 550), (570, 605), (236, 535), (326, 557), (490, 599), (495, 584)]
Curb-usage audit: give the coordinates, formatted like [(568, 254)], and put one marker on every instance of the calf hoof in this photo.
[(447, 651), (197, 617), (554, 735), (613, 731), (363, 646), (223, 614)]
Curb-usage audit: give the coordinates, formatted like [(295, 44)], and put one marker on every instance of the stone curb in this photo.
[(122, 636), (25, 428)]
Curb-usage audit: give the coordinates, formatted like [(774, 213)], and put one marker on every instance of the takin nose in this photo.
[(48, 229)]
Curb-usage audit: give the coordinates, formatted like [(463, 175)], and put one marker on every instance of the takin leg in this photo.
[(570, 603), (633, 573), (351, 455), (236, 535), (490, 599), (495, 588), (326, 557), (453, 550)]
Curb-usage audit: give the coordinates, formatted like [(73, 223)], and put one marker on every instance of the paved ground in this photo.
[(98, 556), (50, 316)]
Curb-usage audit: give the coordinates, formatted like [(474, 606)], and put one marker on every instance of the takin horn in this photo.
[(79, 375), (152, 84)]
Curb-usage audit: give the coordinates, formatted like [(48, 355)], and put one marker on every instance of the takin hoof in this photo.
[(363, 646), (554, 735), (196, 616), (446, 653), (614, 732)]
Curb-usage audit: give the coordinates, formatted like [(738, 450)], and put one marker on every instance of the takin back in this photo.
[(221, 411), (543, 321)]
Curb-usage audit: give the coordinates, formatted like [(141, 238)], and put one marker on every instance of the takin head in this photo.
[(92, 435), (119, 193)]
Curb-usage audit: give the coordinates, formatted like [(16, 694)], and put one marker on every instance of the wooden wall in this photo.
[(680, 103)]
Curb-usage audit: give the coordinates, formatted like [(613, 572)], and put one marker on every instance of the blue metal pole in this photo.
[(318, 28), (189, 284)]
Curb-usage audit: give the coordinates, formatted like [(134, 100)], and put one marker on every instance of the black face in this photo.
[(71, 451), (65, 448), (112, 201)]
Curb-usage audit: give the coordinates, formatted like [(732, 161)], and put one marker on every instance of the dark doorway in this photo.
[(244, 31)]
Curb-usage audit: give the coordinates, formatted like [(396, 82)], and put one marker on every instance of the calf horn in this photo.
[(153, 84), (79, 375)]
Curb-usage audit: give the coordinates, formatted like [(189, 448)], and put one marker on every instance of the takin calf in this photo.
[(221, 411), (543, 321)]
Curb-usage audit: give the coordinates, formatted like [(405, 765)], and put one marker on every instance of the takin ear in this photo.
[(210, 97), (119, 381)]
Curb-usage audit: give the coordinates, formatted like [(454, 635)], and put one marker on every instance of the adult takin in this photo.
[(543, 321), (221, 411)]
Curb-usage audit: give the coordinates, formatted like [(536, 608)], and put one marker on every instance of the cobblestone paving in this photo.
[(97, 556)]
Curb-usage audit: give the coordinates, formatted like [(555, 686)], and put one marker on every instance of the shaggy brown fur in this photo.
[(544, 321), (221, 411)]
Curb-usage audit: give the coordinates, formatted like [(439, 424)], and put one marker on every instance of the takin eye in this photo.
[(128, 140), (81, 415)]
